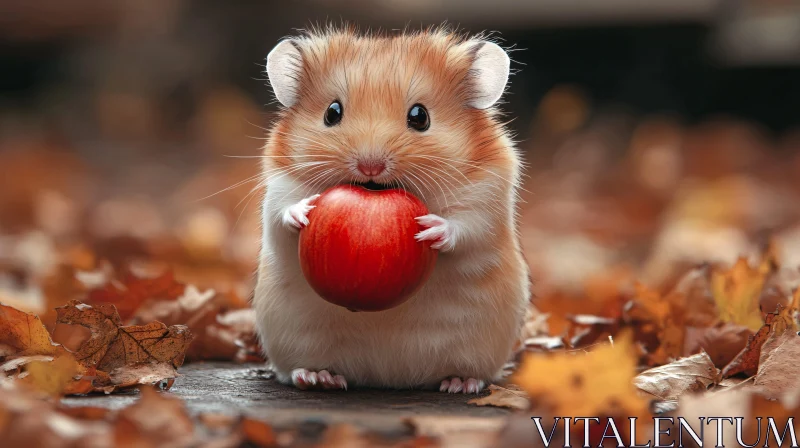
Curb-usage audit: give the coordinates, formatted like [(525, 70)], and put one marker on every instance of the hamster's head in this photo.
[(413, 110)]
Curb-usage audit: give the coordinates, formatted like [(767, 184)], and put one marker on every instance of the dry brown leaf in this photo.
[(687, 375), (112, 345), (155, 420), (511, 397), (222, 329), (659, 323), (599, 382), (23, 334), (779, 369), (160, 373), (737, 291), (722, 342), (28, 421), (129, 292), (783, 320), (695, 286), (257, 432)]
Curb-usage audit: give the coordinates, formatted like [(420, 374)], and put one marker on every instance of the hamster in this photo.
[(415, 110)]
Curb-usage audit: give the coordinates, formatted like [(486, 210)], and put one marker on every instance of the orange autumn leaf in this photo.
[(54, 377), (113, 345), (23, 334), (154, 420), (661, 319), (777, 323), (737, 291), (599, 382), (129, 292)]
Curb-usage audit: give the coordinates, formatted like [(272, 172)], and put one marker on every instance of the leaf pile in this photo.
[(113, 357)]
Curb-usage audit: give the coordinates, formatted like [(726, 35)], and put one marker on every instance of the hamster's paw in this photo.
[(306, 379), (439, 230), (455, 385), (296, 215)]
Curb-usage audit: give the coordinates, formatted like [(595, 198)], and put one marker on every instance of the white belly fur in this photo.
[(459, 324)]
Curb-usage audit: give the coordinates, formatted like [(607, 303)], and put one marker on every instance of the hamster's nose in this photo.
[(371, 168)]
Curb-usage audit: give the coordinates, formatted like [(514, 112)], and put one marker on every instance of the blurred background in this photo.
[(659, 134)]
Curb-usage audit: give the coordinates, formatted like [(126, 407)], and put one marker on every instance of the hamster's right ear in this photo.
[(490, 67), (283, 67)]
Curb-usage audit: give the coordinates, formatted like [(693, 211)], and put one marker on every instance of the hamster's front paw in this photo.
[(306, 379), (456, 385), (296, 215), (439, 230)]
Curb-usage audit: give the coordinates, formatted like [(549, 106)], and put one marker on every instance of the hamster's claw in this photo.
[(296, 215), (439, 230), (305, 379), (455, 385)]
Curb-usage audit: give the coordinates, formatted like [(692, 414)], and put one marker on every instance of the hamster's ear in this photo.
[(283, 66), (490, 67)]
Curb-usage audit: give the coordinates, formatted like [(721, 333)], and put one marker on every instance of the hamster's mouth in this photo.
[(372, 185)]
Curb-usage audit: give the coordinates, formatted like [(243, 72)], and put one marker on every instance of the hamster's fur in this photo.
[(458, 331)]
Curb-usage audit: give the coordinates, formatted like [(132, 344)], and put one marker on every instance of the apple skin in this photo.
[(358, 250)]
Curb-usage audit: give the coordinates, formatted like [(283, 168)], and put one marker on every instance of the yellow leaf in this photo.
[(737, 291), (596, 383), (52, 377)]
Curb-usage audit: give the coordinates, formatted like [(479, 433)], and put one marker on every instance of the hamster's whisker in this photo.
[(314, 188), (315, 176), (304, 138), (261, 177), (427, 174), (485, 203), (324, 176), (279, 157), (236, 185), (495, 187), (416, 187), (473, 166), (426, 185)]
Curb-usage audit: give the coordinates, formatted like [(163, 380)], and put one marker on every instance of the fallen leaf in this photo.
[(23, 334), (155, 420), (779, 369), (28, 421), (722, 342), (130, 291), (695, 287), (222, 329), (687, 375), (747, 360), (737, 291), (658, 322), (112, 345), (15, 363), (599, 382), (159, 373), (777, 323), (53, 377), (257, 432), (504, 397)]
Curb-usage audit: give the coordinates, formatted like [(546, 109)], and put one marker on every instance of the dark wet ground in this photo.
[(248, 389)]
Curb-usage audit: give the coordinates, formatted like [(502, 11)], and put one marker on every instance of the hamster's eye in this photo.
[(334, 114), (418, 118)]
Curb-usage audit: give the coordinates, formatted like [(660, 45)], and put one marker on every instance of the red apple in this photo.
[(359, 251)]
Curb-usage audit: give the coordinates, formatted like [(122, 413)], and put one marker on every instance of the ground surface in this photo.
[(248, 389)]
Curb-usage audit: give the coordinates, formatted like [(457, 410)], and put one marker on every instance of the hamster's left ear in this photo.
[(490, 68), (283, 66)]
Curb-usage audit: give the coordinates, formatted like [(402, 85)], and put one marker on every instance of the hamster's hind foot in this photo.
[(305, 379), (455, 385)]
